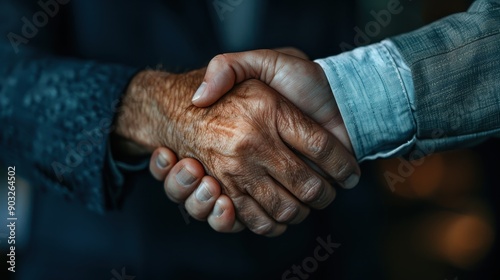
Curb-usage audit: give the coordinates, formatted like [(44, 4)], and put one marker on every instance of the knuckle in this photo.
[(235, 144), (318, 145), (343, 171), (288, 213), (246, 142), (220, 59), (312, 190), (340, 164), (243, 143), (250, 216), (263, 228)]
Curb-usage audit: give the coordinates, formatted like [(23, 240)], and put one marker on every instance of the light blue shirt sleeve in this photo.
[(374, 90)]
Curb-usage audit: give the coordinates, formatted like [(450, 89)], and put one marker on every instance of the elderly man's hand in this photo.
[(298, 79), (247, 141)]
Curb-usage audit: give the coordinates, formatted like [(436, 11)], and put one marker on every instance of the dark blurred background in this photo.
[(438, 222)]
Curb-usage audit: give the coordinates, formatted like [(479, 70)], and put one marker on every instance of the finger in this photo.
[(293, 52), (183, 179), (201, 202), (296, 176), (223, 216), (322, 148), (251, 214), (226, 70), (162, 160), (238, 226), (277, 201)]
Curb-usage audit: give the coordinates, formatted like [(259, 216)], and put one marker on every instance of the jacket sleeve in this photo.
[(455, 64), (56, 114)]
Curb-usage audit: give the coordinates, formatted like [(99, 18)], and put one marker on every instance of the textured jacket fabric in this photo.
[(455, 64), (56, 115)]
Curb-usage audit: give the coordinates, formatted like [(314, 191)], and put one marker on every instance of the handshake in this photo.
[(260, 142)]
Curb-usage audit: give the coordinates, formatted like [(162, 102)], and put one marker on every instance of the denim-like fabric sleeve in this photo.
[(373, 88)]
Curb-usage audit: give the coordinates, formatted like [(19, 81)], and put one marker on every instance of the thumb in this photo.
[(226, 70)]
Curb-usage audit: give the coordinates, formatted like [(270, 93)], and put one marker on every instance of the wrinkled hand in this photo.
[(203, 198), (243, 141), (289, 72), (301, 81)]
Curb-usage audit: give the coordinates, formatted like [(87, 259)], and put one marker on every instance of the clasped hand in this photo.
[(259, 156)]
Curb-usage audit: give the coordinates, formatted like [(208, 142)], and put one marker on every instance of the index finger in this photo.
[(317, 144)]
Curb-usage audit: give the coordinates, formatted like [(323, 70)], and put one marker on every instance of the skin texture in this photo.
[(288, 71), (247, 141), (218, 210), (300, 80)]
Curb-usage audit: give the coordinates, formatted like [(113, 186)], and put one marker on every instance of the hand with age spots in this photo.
[(256, 118)]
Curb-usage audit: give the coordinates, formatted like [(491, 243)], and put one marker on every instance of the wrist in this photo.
[(154, 111), (182, 118), (134, 121)]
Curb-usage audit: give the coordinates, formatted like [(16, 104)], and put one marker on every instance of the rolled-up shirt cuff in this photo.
[(374, 90)]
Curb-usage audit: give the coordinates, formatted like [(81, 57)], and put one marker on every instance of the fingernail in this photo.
[(199, 92), (203, 193), (184, 177), (218, 210), (351, 182), (161, 160)]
